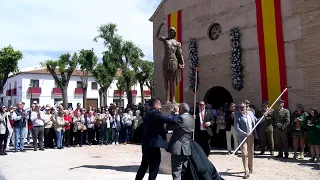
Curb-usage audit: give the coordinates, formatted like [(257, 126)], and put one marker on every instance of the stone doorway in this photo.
[(217, 96)]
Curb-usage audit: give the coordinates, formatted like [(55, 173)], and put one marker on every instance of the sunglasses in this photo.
[(201, 104), (241, 107)]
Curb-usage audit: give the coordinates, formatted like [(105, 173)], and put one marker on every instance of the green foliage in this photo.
[(120, 54), (121, 83), (87, 60), (64, 66), (103, 77), (9, 59)]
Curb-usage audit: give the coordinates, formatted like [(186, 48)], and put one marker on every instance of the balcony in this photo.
[(134, 93), (147, 93), (78, 91), (8, 93), (13, 92), (117, 93), (34, 90), (56, 91)]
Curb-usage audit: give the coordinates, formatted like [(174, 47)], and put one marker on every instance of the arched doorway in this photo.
[(217, 96)]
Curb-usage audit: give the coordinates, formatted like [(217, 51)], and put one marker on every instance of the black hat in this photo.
[(247, 101), (281, 101), (265, 102)]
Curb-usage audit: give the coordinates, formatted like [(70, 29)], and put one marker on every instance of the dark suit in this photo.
[(154, 139), (199, 166), (179, 145), (203, 137)]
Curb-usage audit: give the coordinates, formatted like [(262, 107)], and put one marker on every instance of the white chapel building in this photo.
[(37, 84)]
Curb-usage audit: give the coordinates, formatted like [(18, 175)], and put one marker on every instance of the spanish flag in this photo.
[(174, 20), (271, 50)]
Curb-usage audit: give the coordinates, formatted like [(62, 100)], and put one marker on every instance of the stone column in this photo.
[(165, 166)]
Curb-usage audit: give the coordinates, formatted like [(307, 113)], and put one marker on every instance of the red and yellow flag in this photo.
[(271, 50), (174, 20)]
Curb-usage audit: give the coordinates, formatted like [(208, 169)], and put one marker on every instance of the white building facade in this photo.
[(38, 85)]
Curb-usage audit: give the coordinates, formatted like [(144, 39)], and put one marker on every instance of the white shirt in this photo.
[(201, 120), (108, 117), (35, 120)]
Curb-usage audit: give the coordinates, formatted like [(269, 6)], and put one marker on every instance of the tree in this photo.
[(9, 59), (121, 85), (104, 77), (150, 80), (61, 71), (125, 55), (87, 61), (144, 74)]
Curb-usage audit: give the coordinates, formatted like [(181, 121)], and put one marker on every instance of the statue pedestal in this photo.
[(165, 166)]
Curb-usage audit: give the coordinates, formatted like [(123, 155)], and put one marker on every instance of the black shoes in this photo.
[(246, 176)]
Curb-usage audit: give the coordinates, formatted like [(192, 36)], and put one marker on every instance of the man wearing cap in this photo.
[(281, 121), (266, 128), (248, 108)]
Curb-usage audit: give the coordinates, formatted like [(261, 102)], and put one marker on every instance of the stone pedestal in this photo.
[(165, 166)]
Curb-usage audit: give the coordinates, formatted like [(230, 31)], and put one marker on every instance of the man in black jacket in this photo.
[(230, 130), (154, 134)]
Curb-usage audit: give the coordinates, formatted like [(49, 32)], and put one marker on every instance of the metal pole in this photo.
[(195, 97), (254, 127)]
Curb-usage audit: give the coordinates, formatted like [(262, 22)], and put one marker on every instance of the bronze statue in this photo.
[(172, 61)]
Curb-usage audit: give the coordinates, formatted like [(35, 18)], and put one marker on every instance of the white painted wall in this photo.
[(46, 82)]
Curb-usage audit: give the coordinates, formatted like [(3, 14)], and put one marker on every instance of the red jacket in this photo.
[(67, 119)]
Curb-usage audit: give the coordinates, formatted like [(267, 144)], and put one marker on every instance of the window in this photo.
[(34, 99), (15, 85), (79, 84), (55, 101), (214, 31), (117, 101), (9, 102), (94, 86), (34, 82)]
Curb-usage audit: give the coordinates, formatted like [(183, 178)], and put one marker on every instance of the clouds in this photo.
[(43, 27)]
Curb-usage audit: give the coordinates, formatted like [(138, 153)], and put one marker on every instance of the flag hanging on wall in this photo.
[(174, 20), (271, 50)]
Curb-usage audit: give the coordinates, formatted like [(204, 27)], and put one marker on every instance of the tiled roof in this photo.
[(76, 72), (45, 71)]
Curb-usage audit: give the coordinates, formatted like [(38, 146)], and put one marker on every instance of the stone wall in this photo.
[(301, 23)]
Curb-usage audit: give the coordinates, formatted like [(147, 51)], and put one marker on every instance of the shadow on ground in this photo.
[(231, 174), (130, 168)]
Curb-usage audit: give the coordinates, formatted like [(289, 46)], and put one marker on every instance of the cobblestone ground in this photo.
[(121, 163)]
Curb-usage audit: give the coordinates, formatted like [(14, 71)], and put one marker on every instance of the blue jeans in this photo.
[(128, 133), (29, 135), (59, 139), (115, 135), (19, 133)]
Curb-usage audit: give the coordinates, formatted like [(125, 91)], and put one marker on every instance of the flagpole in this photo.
[(285, 90), (195, 97)]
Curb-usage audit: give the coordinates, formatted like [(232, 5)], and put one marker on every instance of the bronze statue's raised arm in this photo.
[(161, 38)]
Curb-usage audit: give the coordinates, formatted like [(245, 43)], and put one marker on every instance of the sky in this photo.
[(43, 29)]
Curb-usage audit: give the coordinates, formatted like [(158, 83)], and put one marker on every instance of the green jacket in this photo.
[(281, 116), (266, 123)]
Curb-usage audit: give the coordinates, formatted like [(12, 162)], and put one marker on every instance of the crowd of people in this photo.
[(56, 127), (278, 131)]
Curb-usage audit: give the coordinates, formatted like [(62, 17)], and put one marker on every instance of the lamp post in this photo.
[(31, 85)]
